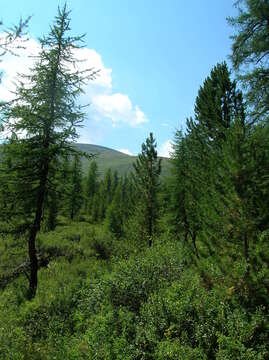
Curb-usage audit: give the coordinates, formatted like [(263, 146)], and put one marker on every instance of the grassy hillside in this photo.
[(109, 158)]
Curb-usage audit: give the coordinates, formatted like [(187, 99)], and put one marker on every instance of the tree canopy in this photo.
[(250, 53)]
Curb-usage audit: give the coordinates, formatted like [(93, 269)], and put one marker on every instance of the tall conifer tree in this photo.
[(250, 53), (45, 115), (147, 169)]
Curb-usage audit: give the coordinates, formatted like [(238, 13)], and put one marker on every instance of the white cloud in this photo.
[(18, 62), (89, 58), (119, 108), (106, 106), (166, 149), (126, 151)]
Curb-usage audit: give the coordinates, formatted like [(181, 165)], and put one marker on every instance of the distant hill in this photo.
[(109, 158), (116, 160)]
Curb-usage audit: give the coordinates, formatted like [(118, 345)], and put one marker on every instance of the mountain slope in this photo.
[(109, 158)]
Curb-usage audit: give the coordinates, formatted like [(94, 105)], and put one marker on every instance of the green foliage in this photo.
[(45, 111), (199, 291), (147, 169), (251, 53), (75, 199), (91, 186), (52, 210), (121, 207), (201, 184), (152, 304), (130, 288), (9, 37), (114, 216), (106, 158), (217, 105)]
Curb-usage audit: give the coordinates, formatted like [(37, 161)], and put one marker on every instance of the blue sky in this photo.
[(153, 54)]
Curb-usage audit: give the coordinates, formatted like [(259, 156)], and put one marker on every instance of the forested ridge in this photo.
[(97, 263)]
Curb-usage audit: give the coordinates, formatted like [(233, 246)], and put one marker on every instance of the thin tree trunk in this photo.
[(33, 280), (246, 246), (194, 244), (186, 228), (150, 208), (185, 234), (72, 211), (150, 230), (33, 263), (150, 242)]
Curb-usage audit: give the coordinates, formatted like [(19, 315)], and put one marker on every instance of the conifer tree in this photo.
[(9, 37), (115, 214), (128, 195), (64, 179), (75, 188), (105, 194), (115, 181), (147, 169), (201, 179), (217, 105), (95, 206), (52, 210), (7, 196), (45, 112), (250, 53), (182, 203), (108, 187), (91, 185), (101, 203), (250, 58)]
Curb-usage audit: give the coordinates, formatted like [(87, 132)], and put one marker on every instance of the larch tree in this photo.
[(147, 169), (75, 188), (250, 53), (114, 213), (250, 59), (105, 194), (9, 37), (91, 186), (43, 118)]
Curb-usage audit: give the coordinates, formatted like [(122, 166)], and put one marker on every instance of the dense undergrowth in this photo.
[(104, 298), (140, 266)]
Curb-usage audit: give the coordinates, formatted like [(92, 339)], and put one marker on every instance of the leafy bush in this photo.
[(141, 303)]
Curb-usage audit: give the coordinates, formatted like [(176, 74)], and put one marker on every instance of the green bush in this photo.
[(139, 303), (133, 280)]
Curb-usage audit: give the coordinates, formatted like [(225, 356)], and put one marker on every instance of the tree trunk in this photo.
[(246, 246), (33, 280), (72, 212), (150, 208), (194, 244), (33, 263), (34, 230), (185, 235), (186, 227), (150, 231)]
